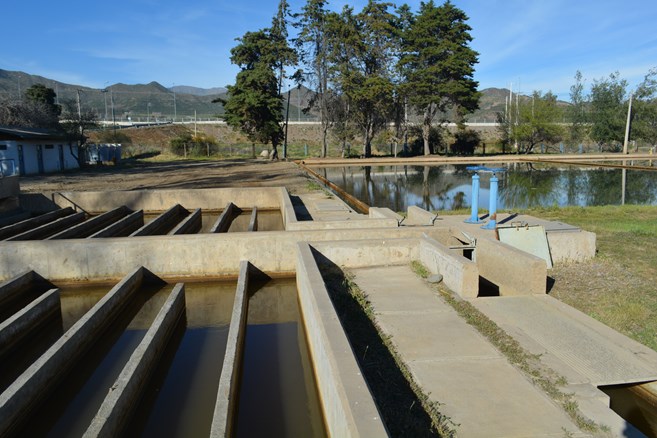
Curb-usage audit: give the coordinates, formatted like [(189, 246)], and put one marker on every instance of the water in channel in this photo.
[(522, 185), (277, 392)]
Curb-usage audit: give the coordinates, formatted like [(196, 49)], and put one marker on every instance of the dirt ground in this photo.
[(145, 175)]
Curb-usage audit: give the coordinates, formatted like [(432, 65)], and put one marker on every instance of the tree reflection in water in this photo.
[(448, 187)]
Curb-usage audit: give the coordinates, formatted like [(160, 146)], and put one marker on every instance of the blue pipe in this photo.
[(492, 207), (474, 214)]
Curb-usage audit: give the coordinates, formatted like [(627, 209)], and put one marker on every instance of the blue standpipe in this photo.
[(474, 214), (492, 208)]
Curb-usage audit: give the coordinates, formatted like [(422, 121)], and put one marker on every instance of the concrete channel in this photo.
[(241, 246)]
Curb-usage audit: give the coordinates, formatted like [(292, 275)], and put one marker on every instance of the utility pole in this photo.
[(79, 112), (287, 122), (113, 119), (627, 125)]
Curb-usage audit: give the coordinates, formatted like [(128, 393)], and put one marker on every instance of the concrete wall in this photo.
[(348, 408), (9, 186), (515, 272), (365, 253), (459, 274), (571, 246), (161, 200), (200, 255)]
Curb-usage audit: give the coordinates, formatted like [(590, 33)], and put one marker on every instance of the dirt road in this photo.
[(173, 175)]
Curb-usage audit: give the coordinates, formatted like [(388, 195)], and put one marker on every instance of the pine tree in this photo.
[(438, 64)]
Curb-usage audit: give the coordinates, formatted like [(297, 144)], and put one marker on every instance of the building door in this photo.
[(21, 160), (40, 158), (61, 157)]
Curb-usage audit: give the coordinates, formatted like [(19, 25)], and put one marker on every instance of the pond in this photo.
[(522, 185)]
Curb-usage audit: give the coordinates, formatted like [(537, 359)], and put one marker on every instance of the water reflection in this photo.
[(523, 185)]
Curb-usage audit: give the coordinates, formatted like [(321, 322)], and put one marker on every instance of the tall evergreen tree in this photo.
[(313, 50), (254, 103), (439, 65), (364, 53)]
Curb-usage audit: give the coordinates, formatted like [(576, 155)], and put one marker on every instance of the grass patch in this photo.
[(544, 378)]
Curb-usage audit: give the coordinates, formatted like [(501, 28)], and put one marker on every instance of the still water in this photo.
[(522, 185), (277, 395)]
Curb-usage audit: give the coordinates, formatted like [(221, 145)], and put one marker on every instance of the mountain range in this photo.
[(153, 101)]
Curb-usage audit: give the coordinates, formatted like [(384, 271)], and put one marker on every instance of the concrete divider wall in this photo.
[(365, 253), (384, 213), (163, 223), (222, 224), (31, 387), (129, 386), (419, 215), (348, 407), (515, 272), (571, 246), (11, 289), (27, 224), (227, 394), (122, 227), (29, 319), (92, 225), (160, 200), (459, 274), (50, 228), (192, 224), (343, 224), (193, 255)]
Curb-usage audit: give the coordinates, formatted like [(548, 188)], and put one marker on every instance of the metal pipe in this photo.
[(474, 213), (492, 205)]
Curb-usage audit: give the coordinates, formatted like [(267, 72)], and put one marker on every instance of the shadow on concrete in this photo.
[(400, 408), (300, 209)]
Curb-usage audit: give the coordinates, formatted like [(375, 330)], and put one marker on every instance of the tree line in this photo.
[(595, 116), (367, 70)]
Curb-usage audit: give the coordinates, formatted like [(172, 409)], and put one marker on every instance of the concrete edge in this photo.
[(128, 387), (514, 271), (417, 215), (222, 224), (385, 213), (24, 225), (17, 401), (371, 252), (190, 225), (12, 287), (163, 222), (460, 274), (253, 221), (14, 329), (227, 391), (343, 224), (92, 225), (347, 403), (50, 228), (131, 223), (287, 209)]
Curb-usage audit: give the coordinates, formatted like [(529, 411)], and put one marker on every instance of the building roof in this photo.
[(14, 133)]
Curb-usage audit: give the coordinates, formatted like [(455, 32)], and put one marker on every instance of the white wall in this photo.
[(51, 160)]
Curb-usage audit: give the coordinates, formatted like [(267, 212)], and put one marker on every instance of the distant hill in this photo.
[(186, 89), (154, 101)]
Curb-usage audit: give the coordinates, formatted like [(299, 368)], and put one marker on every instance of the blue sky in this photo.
[(534, 44)]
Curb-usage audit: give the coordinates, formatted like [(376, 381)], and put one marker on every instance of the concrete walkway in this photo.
[(322, 207), (586, 352), (476, 386)]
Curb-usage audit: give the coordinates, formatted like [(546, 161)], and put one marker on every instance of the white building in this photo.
[(29, 151)]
